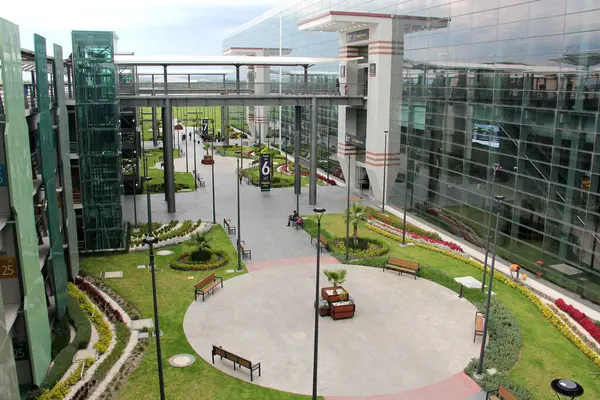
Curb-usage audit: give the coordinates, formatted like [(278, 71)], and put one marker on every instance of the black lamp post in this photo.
[(348, 209), (239, 227), (495, 167), (151, 241), (195, 163), (212, 170), (319, 213), (566, 388), (498, 200), (405, 192)]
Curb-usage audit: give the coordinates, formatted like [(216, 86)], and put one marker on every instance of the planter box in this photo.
[(323, 312), (341, 310), (207, 161), (331, 298)]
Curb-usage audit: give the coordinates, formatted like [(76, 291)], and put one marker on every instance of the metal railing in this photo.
[(243, 88)]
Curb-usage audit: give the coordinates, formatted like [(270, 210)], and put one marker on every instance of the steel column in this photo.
[(297, 168), (169, 169), (312, 186)]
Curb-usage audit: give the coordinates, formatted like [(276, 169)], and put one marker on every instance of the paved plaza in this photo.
[(406, 333)]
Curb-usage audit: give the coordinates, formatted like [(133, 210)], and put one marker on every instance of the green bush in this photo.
[(310, 227), (218, 259), (366, 247), (64, 359), (377, 262), (104, 331), (123, 334)]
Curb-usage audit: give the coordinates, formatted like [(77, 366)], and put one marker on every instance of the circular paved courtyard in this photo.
[(405, 334)]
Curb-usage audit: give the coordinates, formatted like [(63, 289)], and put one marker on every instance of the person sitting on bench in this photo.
[(293, 217), (300, 222)]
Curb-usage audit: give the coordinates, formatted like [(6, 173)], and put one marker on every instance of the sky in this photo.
[(146, 27)]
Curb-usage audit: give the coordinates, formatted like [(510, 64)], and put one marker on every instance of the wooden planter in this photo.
[(332, 298), (207, 160), (342, 311)]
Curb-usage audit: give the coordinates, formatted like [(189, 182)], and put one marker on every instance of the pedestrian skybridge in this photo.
[(185, 81)]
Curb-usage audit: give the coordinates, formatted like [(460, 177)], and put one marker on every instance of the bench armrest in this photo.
[(219, 277)]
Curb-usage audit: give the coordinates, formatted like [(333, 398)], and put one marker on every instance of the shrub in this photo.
[(366, 247), (104, 332), (64, 359), (218, 259), (580, 318), (310, 227)]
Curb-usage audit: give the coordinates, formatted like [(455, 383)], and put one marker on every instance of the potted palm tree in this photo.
[(356, 214), (335, 292), (207, 160)]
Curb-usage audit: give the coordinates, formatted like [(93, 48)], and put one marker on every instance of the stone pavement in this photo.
[(388, 347)]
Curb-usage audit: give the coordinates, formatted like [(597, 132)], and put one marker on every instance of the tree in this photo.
[(336, 277), (202, 243), (358, 213), (206, 147)]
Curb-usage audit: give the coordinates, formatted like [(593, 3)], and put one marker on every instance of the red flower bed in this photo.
[(94, 295), (580, 317), (306, 173)]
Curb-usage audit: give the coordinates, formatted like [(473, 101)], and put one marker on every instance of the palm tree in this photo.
[(336, 277), (206, 147), (358, 213), (202, 242)]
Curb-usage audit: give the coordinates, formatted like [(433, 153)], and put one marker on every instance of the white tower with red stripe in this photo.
[(379, 39)]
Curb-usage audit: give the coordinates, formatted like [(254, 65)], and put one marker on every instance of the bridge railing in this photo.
[(242, 88)]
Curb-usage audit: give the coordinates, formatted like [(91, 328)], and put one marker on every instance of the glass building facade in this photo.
[(508, 82)]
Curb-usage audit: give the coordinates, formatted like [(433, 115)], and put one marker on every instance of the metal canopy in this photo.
[(227, 60)]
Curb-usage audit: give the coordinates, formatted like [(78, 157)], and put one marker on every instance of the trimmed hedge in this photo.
[(213, 263), (64, 359), (104, 331), (338, 245)]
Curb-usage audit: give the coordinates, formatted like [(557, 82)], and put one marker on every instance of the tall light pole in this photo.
[(498, 200), (319, 213), (151, 241), (195, 163), (348, 209), (239, 227), (406, 191), (187, 139), (212, 171), (385, 170), (495, 167)]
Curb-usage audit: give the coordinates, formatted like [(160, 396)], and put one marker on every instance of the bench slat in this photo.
[(505, 393), (206, 281), (402, 263)]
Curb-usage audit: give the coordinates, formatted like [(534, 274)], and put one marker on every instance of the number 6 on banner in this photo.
[(266, 168)]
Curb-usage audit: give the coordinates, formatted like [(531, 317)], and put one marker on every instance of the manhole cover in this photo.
[(182, 360), (164, 253)]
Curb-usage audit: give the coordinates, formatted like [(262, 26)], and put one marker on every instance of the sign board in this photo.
[(8, 267), (358, 141), (342, 71), (20, 350), (372, 69), (3, 178), (205, 127), (265, 172), (357, 36)]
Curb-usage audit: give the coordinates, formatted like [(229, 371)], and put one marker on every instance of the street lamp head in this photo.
[(566, 388), (150, 240), (499, 198), (319, 211)]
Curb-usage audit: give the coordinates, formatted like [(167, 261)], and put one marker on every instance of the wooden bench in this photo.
[(207, 284), (323, 243), (478, 325), (246, 252), (229, 225), (397, 264), (242, 362), (501, 394)]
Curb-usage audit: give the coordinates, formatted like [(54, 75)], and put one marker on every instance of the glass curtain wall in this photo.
[(508, 82)]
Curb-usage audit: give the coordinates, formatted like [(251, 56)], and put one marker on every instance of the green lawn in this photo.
[(183, 180), (546, 354), (175, 293), (179, 113)]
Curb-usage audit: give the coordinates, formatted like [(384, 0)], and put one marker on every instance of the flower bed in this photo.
[(104, 331), (396, 222), (286, 170), (98, 300), (61, 389), (574, 327), (580, 318), (397, 235)]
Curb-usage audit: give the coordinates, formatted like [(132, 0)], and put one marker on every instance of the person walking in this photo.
[(337, 87)]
